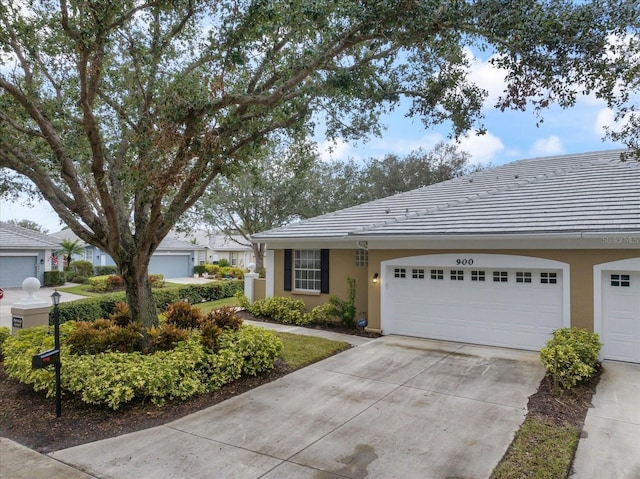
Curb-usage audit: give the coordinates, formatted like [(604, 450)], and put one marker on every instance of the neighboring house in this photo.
[(501, 257), (233, 248), (173, 258), (24, 253)]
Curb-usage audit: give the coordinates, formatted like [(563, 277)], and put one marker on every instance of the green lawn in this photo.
[(540, 450), (300, 351), (209, 305)]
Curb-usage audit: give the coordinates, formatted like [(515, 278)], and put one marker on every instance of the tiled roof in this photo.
[(168, 243), (217, 240), (591, 192), (17, 237)]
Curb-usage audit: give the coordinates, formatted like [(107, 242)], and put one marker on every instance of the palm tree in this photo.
[(68, 248)]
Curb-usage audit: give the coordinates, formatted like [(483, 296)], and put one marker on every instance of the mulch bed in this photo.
[(564, 407), (29, 418)]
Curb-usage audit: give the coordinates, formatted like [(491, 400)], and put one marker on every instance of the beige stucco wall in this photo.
[(342, 265)]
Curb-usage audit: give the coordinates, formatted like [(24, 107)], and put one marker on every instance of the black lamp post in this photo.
[(55, 297)]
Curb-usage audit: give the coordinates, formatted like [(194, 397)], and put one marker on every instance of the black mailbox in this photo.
[(46, 358)]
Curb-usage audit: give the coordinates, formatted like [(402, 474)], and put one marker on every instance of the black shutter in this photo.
[(287, 269), (324, 271)]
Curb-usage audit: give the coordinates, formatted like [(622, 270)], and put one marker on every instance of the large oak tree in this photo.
[(120, 113)]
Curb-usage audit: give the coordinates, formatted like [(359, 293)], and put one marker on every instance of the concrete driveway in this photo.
[(395, 407), (610, 443)]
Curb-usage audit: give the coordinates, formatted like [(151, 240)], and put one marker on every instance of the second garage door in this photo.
[(15, 269), (171, 266), (499, 300)]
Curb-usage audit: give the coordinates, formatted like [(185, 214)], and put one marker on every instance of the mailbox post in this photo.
[(56, 335), (52, 356)]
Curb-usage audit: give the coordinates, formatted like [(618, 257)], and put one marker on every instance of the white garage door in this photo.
[(620, 332), (171, 266), (15, 269), (491, 301)]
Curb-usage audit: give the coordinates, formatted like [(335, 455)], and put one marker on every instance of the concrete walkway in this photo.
[(610, 446)]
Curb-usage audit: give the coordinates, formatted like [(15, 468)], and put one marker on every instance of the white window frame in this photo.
[(307, 270)]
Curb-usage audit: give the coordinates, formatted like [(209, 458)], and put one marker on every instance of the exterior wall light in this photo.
[(375, 277)]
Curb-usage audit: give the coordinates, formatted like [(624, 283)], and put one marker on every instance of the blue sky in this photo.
[(510, 136)]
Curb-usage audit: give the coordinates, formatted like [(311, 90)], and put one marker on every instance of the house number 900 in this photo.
[(464, 262)]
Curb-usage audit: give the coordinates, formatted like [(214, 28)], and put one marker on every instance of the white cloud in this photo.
[(488, 77), (334, 150), (547, 146), (482, 148), (605, 118)]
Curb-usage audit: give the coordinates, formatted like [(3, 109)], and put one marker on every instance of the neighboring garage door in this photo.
[(14, 270), (620, 313), (171, 266), (499, 300)]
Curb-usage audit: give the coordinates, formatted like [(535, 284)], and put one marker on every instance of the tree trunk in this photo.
[(258, 252), (138, 290)]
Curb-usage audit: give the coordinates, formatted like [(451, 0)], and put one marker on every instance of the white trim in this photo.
[(19, 254), (631, 264), (482, 260), (269, 266), (573, 241)]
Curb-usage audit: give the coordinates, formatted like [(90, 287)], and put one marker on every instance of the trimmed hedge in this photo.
[(54, 278), (90, 309)]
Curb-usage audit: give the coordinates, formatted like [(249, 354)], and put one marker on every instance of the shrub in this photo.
[(323, 313), (258, 348), (80, 268), (112, 379), (212, 269), (166, 337), (115, 282), (121, 315), (210, 334), (90, 309), (104, 335), (223, 263), (199, 269), (220, 368), (230, 272), (243, 300), (156, 280), (4, 334), (282, 309), (105, 270), (20, 348), (54, 278), (183, 315), (225, 318), (79, 279), (571, 356), (100, 283), (344, 310)]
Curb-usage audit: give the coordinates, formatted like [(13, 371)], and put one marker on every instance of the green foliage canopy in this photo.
[(121, 113)]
